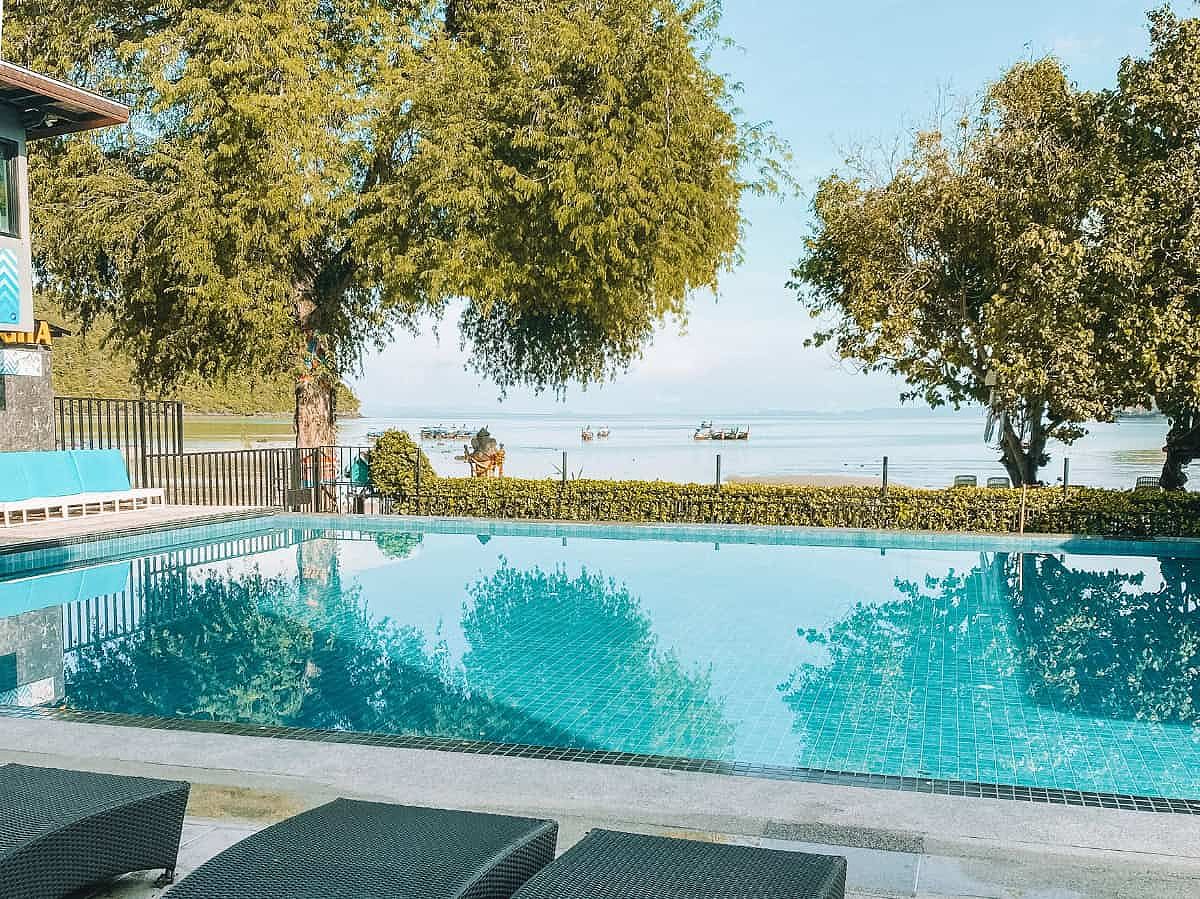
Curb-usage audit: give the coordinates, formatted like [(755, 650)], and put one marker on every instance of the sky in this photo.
[(827, 75)]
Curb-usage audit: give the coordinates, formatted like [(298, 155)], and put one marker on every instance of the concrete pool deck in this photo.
[(898, 844), (111, 524)]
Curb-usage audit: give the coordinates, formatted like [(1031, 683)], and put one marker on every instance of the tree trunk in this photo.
[(316, 415), (1183, 446), (316, 410), (1024, 462)]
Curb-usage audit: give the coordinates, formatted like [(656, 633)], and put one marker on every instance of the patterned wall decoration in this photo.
[(10, 288), (21, 363)]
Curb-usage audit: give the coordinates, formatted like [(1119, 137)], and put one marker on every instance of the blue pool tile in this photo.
[(952, 657)]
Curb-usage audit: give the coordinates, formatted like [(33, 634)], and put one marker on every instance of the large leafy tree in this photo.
[(1151, 216), (966, 269), (304, 176)]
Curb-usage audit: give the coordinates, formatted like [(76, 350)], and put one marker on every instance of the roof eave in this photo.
[(72, 108)]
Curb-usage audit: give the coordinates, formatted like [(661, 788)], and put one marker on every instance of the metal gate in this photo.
[(138, 428)]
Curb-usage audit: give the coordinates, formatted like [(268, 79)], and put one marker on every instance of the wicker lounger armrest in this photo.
[(64, 830)]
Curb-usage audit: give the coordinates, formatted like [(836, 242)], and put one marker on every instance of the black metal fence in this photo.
[(138, 428), (331, 479)]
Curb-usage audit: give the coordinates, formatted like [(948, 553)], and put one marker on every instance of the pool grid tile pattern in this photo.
[(949, 711)]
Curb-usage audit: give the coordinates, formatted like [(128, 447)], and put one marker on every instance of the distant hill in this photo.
[(82, 367)]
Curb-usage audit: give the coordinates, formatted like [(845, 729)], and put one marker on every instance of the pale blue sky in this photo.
[(828, 75)]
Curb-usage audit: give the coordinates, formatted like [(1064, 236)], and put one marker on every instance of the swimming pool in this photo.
[(957, 663)]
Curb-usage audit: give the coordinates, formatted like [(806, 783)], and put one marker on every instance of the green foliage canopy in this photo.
[(91, 365), (303, 177), (1150, 264), (970, 259), (1053, 242)]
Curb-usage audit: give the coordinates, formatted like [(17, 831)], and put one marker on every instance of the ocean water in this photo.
[(924, 448), (1044, 663)]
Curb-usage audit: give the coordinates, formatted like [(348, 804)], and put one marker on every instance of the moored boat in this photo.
[(441, 433), (706, 431)]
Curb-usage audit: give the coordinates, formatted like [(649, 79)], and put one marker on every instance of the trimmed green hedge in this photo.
[(1048, 510)]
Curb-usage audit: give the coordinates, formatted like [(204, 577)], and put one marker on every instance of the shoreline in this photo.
[(810, 480)]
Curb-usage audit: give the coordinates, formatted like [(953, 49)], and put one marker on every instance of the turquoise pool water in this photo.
[(1058, 664)]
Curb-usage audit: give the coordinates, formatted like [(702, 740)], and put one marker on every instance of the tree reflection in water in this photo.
[(1101, 643), (287, 652), (896, 669), (553, 660), (231, 657), (1022, 670), (582, 652)]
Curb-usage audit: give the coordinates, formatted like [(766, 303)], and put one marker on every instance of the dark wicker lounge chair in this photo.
[(64, 830), (965, 480), (368, 850), (610, 865)]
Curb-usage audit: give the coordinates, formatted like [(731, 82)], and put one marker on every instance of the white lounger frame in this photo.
[(85, 503)]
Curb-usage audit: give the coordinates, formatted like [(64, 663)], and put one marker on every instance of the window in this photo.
[(9, 210)]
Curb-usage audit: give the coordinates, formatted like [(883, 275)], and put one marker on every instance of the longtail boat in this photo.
[(706, 431), (441, 433)]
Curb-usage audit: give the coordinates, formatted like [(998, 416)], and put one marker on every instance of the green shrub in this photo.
[(1047, 510), (393, 463)]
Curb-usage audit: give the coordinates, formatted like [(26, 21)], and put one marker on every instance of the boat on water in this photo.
[(586, 434), (603, 433), (375, 435), (441, 433), (706, 431)]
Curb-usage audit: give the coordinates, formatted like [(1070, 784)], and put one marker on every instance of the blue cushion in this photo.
[(52, 474), (101, 471), (14, 482), (27, 475)]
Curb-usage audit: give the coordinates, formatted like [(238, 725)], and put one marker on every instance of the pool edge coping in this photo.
[(619, 759), (240, 514), (795, 533)]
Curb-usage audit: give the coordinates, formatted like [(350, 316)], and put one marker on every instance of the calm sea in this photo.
[(925, 448)]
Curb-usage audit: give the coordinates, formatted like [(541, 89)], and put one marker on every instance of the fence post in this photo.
[(294, 457), (143, 461), (562, 485), (1066, 472), (178, 428), (417, 479), (885, 476), (718, 471)]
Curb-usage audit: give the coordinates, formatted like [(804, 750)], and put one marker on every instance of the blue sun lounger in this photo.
[(60, 483)]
